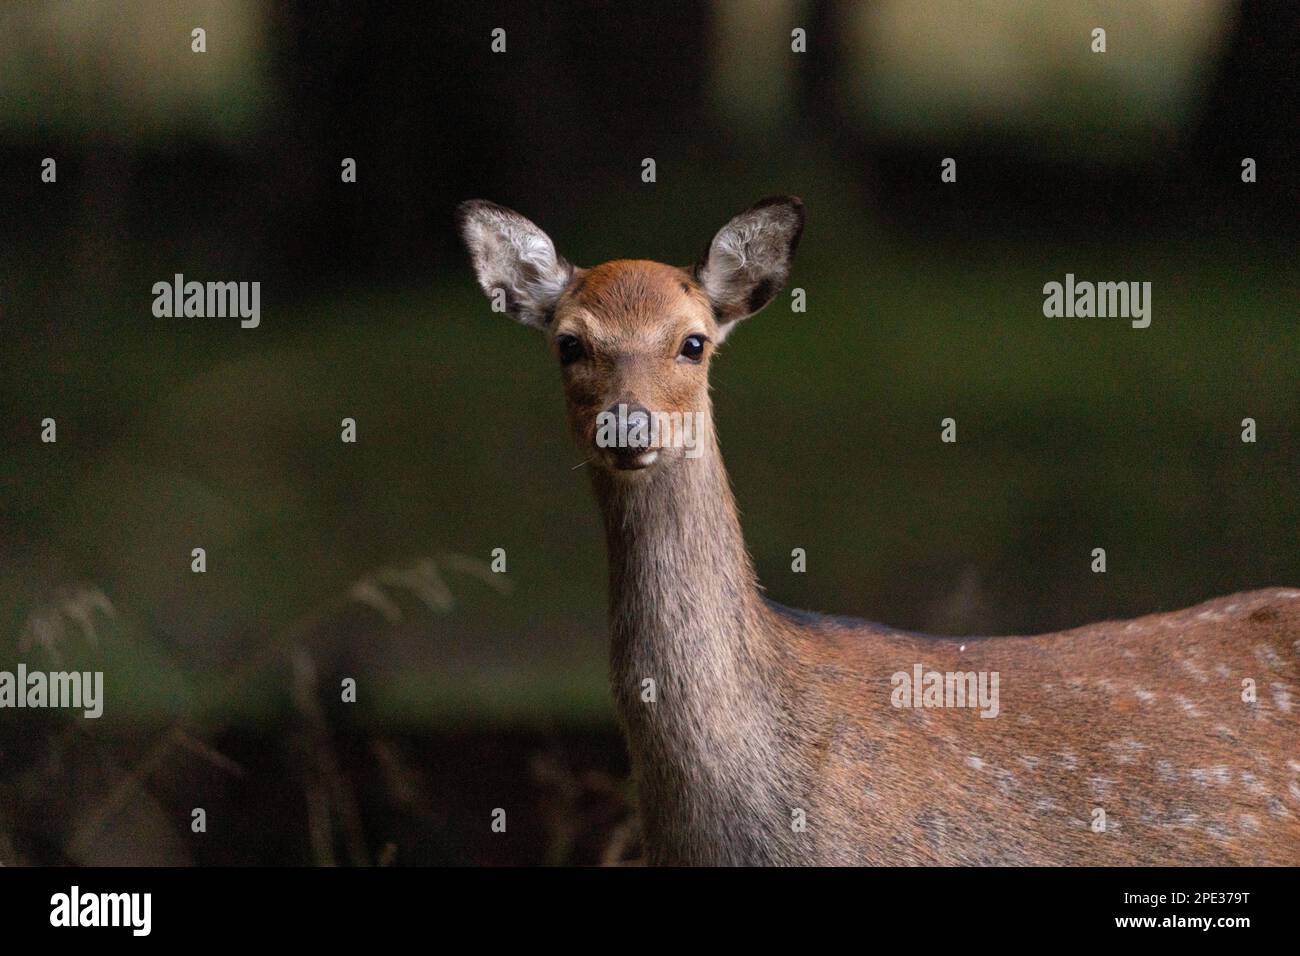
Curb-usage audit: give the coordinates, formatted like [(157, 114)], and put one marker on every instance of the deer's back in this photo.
[(1183, 729)]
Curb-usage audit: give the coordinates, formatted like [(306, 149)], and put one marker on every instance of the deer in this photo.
[(762, 735)]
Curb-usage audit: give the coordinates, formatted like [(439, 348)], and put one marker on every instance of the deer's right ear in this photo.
[(516, 263)]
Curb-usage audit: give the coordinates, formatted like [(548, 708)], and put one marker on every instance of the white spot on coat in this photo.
[(1267, 656), (1194, 669)]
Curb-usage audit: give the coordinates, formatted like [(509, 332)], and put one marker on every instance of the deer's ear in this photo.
[(749, 260), (516, 263)]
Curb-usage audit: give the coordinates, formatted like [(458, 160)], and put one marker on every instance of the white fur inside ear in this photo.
[(749, 259), (736, 250), (510, 253)]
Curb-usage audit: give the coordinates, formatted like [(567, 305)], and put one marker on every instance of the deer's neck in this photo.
[(686, 614)]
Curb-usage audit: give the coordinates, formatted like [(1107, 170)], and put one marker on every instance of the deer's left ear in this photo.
[(749, 260)]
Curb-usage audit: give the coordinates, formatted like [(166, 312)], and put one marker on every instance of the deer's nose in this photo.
[(625, 433), (637, 418)]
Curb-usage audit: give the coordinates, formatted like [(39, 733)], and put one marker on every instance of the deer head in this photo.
[(634, 338)]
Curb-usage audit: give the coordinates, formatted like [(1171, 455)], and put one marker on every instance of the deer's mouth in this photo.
[(633, 459)]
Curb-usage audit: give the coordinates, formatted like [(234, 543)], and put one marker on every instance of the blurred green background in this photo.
[(329, 560)]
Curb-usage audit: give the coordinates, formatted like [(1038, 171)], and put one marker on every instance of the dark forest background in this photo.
[(370, 561)]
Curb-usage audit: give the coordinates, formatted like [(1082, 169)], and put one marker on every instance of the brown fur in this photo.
[(759, 714), (762, 716)]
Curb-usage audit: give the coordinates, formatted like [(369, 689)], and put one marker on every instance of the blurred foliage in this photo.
[(125, 70)]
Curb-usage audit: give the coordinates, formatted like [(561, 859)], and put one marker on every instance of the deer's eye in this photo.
[(692, 348), (569, 347)]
